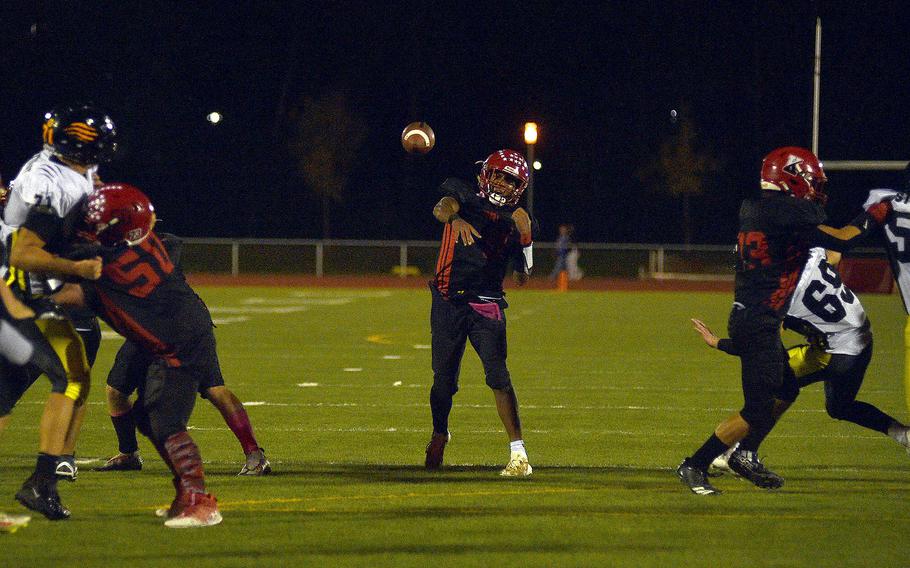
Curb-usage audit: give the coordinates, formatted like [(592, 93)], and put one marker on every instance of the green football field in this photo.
[(615, 389)]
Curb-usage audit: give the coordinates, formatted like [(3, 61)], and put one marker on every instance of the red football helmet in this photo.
[(119, 213), (503, 177), (796, 171)]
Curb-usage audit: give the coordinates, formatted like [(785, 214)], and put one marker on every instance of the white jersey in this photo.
[(47, 183), (829, 307), (897, 234)]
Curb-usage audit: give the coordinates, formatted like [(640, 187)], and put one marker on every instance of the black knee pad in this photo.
[(169, 396), (837, 411), (444, 386), (788, 391), (759, 416), (499, 381), (130, 368), (163, 427)]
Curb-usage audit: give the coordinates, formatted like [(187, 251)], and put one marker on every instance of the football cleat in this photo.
[(696, 479), (435, 450), (720, 466), (746, 464), (199, 510), (901, 436), (256, 464), (66, 468), (41, 499), (123, 462), (518, 466), (176, 506), (12, 523)]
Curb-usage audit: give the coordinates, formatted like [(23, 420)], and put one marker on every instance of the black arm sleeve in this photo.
[(822, 239), (43, 223), (535, 227), (726, 345)]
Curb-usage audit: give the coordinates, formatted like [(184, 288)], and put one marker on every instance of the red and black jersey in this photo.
[(477, 270), (146, 299), (773, 246)]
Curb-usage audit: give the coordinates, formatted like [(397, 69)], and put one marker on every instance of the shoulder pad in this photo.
[(454, 187)]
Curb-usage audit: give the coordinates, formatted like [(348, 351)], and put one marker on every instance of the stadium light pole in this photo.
[(530, 141)]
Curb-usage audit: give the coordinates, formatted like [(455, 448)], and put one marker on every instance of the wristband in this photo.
[(874, 216), (452, 218), (864, 222)]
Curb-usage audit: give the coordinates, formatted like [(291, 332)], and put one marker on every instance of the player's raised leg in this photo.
[(237, 419)]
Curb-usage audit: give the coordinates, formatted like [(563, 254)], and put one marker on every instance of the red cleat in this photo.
[(199, 510), (435, 450)]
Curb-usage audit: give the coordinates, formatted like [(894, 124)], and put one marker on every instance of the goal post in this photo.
[(854, 165)]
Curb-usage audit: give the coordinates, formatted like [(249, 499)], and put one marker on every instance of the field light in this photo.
[(214, 117), (530, 140), (536, 165), (530, 133)]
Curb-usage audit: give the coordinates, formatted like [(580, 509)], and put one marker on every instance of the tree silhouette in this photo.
[(681, 169), (326, 136)]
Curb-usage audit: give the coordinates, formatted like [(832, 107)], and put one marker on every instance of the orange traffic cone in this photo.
[(562, 282)]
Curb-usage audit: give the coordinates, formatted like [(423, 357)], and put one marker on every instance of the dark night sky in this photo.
[(599, 77)]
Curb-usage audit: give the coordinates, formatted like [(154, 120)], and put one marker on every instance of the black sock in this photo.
[(440, 406), (126, 432), (752, 441), (712, 448), (47, 464), (45, 470)]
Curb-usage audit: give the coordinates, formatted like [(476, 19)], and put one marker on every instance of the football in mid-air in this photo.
[(418, 138)]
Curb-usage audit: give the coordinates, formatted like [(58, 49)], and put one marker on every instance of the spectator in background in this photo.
[(575, 273), (563, 246)]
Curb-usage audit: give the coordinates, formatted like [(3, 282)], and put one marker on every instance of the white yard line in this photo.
[(257, 310), (298, 301), (346, 294)]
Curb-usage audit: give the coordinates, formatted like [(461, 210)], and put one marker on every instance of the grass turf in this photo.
[(615, 389)]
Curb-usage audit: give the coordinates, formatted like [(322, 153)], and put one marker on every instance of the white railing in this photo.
[(312, 255)]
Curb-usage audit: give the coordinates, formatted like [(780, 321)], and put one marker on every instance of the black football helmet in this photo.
[(81, 133)]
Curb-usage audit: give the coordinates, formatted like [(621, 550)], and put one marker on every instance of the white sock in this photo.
[(518, 446), (899, 433)]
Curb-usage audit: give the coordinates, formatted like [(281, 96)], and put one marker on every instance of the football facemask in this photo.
[(503, 178)]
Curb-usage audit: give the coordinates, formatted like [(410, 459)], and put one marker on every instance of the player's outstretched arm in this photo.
[(446, 211), (705, 332), (28, 254), (523, 223), (845, 237), (721, 344)]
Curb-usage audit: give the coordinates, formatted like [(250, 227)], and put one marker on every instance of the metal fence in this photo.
[(414, 258)]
